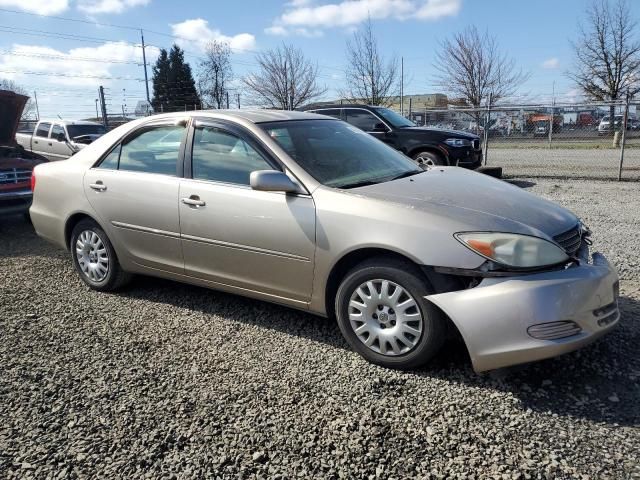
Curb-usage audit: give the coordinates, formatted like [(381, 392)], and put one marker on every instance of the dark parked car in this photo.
[(16, 164), (430, 146)]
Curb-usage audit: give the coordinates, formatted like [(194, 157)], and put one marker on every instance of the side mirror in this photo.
[(61, 137), (380, 127), (272, 181)]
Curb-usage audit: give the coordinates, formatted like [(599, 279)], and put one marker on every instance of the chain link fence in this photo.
[(551, 140)]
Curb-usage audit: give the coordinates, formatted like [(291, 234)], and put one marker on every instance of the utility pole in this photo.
[(144, 63), (402, 86), (553, 103), (238, 98), (486, 128), (35, 97), (227, 99), (103, 107), (624, 130)]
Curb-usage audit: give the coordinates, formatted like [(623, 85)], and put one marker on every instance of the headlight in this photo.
[(458, 142), (513, 250)]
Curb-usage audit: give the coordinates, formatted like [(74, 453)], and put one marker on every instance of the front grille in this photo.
[(14, 175), (554, 330), (570, 240), (476, 144)]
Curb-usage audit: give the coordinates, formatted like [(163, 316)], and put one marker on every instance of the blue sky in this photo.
[(59, 59)]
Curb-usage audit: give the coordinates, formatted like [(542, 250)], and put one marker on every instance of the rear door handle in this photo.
[(194, 201), (98, 186)]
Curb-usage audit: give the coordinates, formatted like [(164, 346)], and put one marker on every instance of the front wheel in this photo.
[(382, 314), (429, 159), (95, 259)]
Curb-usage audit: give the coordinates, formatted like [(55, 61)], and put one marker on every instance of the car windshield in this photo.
[(79, 130), (339, 155), (394, 118)]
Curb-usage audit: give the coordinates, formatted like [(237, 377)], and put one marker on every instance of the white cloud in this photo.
[(197, 32), (309, 17), (44, 7), (551, 63), (94, 7), (78, 66)]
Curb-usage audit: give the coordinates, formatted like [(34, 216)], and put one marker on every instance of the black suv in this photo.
[(429, 146)]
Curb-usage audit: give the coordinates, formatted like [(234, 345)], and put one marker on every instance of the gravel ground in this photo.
[(565, 163), (171, 381)]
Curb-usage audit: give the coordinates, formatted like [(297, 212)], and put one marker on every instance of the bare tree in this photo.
[(216, 73), (607, 54), (370, 79), (29, 111), (286, 79), (472, 68)]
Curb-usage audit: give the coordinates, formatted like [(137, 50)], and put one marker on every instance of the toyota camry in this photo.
[(310, 212)]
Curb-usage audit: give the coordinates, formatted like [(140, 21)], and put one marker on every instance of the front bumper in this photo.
[(14, 202), (465, 157), (511, 320)]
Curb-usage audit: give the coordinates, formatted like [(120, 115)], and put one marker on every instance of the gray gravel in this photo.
[(171, 381), (565, 162)]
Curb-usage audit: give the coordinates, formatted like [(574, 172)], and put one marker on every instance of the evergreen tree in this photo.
[(182, 86), (174, 88), (160, 100)]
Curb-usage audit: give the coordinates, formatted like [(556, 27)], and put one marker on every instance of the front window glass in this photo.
[(56, 131), (222, 157), (339, 155), (362, 119), (43, 130), (110, 162), (79, 130), (331, 112), (155, 150), (394, 118)]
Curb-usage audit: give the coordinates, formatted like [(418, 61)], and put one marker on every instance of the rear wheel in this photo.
[(429, 159), (95, 259), (382, 314)]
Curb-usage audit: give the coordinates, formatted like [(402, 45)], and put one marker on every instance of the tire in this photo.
[(429, 158), (414, 346), (94, 258)]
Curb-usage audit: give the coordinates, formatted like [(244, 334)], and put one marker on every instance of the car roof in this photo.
[(340, 105), (68, 122), (249, 115)]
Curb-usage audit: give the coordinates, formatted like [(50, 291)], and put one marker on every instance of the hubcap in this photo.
[(92, 256), (425, 161), (385, 317)]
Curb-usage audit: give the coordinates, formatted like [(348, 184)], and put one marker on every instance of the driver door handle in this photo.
[(193, 201), (98, 186)]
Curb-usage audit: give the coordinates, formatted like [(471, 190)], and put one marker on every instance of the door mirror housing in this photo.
[(380, 127), (272, 181), (61, 137)]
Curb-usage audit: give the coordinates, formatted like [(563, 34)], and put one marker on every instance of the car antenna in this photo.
[(60, 117)]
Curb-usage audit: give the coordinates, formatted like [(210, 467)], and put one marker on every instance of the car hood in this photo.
[(476, 201), (11, 106), (453, 133)]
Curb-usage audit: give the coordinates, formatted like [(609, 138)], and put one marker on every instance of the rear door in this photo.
[(236, 236), (134, 190), (40, 141)]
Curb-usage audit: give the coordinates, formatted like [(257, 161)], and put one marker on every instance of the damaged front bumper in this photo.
[(510, 320)]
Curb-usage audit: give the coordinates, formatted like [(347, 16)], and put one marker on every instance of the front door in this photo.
[(233, 235), (370, 123), (60, 149), (134, 191)]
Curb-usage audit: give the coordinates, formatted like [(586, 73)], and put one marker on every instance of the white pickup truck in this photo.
[(58, 139)]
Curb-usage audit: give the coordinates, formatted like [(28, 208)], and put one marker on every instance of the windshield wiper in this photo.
[(362, 183), (410, 173)]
